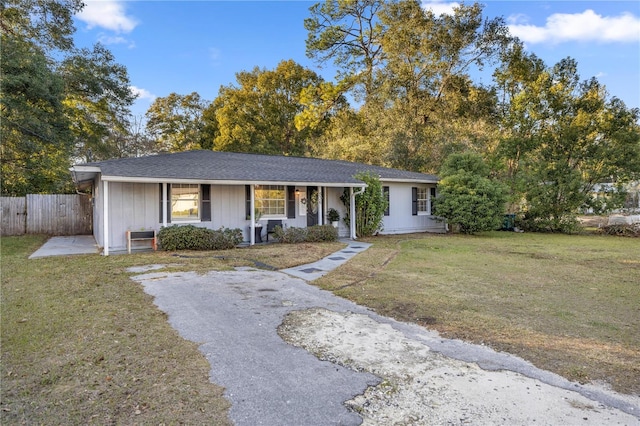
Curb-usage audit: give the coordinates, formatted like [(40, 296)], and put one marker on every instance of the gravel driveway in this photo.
[(290, 353)]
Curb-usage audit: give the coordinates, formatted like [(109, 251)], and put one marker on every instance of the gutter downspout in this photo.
[(352, 213)]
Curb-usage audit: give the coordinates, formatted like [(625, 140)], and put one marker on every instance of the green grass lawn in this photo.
[(569, 304), (83, 344)]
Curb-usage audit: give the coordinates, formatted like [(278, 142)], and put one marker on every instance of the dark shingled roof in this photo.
[(222, 166)]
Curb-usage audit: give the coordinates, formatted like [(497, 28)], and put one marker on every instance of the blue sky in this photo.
[(197, 46)]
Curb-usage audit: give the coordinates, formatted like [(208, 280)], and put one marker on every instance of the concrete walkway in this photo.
[(315, 270), (63, 246)]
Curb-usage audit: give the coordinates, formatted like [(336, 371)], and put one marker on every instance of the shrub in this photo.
[(189, 237), (321, 233), (290, 235), (312, 234), (468, 198), (370, 206)]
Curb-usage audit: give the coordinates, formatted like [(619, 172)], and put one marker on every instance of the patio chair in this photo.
[(271, 227)]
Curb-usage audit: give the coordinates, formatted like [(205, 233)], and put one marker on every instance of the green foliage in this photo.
[(564, 137), (189, 237), (333, 215), (47, 24), (177, 122), (311, 234), (98, 98), (467, 198), (36, 141), (370, 206), (58, 103), (319, 233), (259, 113)]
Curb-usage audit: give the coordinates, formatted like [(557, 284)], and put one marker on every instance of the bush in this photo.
[(623, 230), (189, 237), (468, 199), (321, 233), (312, 234)]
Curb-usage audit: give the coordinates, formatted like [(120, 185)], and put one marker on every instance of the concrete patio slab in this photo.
[(63, 246)]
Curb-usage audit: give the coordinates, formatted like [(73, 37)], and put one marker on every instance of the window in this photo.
[(185, 199), (385, 194), (423, 200), (270, 200)]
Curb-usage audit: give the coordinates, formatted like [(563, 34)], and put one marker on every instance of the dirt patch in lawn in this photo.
[(423, 387), (566, 303)]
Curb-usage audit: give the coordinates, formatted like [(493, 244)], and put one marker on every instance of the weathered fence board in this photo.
[(52, 214), (14, 215)]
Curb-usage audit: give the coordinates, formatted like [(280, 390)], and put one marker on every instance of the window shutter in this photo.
[(161, 204), (291, 202), (433, 199), (205, 215), (414, 201), (385, 193), (247, 192), (168, 203)]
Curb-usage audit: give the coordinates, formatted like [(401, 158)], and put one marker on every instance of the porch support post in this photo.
[(105, 217), (320, 206), (164, 204), (252, 228), (352, 213)]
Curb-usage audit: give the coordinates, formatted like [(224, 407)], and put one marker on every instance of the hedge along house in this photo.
[(224, 189)]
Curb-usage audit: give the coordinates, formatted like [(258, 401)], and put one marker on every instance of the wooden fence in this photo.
[(56, 214)]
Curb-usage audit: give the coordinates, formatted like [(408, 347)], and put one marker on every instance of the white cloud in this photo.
[(108, 40), (585, 26), (142, 93), (439, 7), (107, 14)]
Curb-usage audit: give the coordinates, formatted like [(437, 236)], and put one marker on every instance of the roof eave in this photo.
[(134, 179)]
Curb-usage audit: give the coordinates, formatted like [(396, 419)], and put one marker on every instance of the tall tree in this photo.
[(427, 87), (349, 33), (98, 100), (56, 102), (47, 24), (566, 136), (176, 121), (36, 139), (259, 114)]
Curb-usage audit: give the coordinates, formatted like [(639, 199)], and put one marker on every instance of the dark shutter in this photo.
[(291, 202), (205, 205), (247, 193), (164, 203), (433, 199), (161, 204), (385, 193), (414, 201), (168, 203)]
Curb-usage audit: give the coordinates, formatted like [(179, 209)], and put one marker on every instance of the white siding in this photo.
[(132, 207), (400, 219), (229, 208)]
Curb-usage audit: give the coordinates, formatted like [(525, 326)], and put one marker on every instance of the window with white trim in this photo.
[(185, 202), (423, 199), (271, 200)]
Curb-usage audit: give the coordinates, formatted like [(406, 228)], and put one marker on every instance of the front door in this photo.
[(312, 205)]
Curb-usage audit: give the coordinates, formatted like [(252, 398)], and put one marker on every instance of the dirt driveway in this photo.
[(290, 353)]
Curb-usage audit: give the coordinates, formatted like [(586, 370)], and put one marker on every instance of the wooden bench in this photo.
[(141, 236)]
